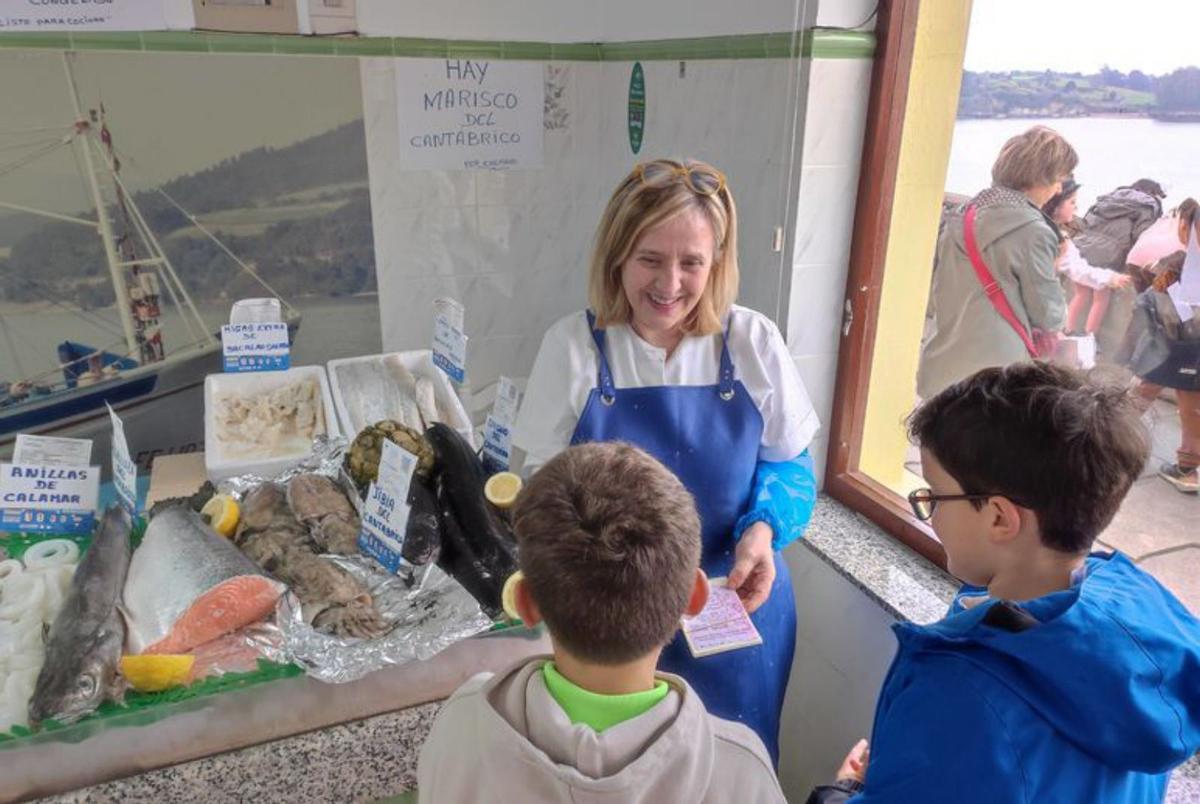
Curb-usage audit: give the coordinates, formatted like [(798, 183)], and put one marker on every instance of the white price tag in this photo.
[(61, 499), (497, 430), (52, 451), (124, 470), (385, 516), (257, 346), (449, 347)]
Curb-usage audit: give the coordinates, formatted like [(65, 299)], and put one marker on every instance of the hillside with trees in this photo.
[(1105, 93), (299, 215)]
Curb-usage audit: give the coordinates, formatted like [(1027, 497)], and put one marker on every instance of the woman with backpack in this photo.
[(1162, 346)]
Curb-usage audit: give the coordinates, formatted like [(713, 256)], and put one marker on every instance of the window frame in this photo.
[(896, 33)]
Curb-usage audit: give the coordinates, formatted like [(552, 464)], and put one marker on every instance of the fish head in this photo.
[(68, 690)]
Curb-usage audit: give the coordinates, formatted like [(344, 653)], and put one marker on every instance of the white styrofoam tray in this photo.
[(420, 363), (220, 466)]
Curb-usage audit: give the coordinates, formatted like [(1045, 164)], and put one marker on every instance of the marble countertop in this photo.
[(206, 738)]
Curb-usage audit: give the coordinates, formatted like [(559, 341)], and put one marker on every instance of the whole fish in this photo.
[(87, 635), (188, 585)]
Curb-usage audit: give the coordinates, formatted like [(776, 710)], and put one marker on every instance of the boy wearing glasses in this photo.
[(1057, 676)]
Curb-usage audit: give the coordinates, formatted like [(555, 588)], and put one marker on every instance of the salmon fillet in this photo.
[(231, 605)]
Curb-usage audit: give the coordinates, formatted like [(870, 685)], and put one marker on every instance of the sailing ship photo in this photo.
[(132, 216)]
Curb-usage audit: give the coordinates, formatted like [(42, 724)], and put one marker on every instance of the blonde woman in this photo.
[(665, 360)]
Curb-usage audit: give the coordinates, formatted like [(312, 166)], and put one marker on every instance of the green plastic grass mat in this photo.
[(140, 708)]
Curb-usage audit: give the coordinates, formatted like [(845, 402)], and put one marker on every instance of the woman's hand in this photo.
[(1120, 281), (753, 570)]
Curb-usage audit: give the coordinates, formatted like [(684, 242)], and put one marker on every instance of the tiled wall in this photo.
[(513, 246), (833, 136)]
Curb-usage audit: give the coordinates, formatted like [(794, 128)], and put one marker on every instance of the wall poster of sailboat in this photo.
[(140, 195)]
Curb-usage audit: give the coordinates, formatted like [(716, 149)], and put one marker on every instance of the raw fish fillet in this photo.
[(187, 585)]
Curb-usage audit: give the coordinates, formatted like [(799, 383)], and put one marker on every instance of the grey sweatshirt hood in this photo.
[(511, 736)]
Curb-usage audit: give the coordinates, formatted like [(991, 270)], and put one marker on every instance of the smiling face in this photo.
[(666, 274)]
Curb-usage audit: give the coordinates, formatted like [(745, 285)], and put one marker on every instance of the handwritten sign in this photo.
[(82, 15), (460, 114), (52, 450), (449, 341), (258, 346), (124, 470), (385, 516), (722, 625), (497, 430), (60, 499)]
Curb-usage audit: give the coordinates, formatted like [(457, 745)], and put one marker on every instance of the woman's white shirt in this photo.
[(567, 365)]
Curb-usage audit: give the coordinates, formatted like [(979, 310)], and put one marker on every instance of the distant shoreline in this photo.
[(38, 307)]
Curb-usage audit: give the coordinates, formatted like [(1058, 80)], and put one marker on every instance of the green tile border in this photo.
[(814, 43)]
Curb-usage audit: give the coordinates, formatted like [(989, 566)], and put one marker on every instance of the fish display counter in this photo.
[(264, 610)]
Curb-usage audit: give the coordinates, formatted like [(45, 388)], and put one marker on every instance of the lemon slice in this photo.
[(502, 489), (223, 513), (508, 596), (156, 672)]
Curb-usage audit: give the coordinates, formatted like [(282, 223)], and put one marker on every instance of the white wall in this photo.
[(575, 20), (824, 216), (513, 246), (844, 646)]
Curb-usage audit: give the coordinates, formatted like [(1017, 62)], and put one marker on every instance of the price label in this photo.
[(257, 346), (385, 516), (124, 470), (59, 499)]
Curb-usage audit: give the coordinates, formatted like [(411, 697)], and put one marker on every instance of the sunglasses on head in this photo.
[(700, 179)]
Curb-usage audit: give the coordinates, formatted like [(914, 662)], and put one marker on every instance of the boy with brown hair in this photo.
[(609, 548), (1057, 675)]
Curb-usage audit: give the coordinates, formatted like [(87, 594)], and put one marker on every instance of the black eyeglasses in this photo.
[(924, 501)]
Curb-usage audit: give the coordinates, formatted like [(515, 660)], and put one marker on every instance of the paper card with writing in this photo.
[(385, 515), (722, 625), (257, 346), (52, 451), (124, 470), (497, 430), (56, 499), (466, 114), (449, 348)]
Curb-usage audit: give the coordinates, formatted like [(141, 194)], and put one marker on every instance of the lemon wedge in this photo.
[(223, 513), (156, 672), (508, 596), (502, 489)]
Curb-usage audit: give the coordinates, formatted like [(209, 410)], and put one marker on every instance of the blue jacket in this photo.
[(1095, 699)]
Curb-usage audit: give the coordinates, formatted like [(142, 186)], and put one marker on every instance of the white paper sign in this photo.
[(385, 515), (52, 451), (61, 499), (258, 346), (82, 15), (497, 430), (124, 470), (461, 114), (449, 341)]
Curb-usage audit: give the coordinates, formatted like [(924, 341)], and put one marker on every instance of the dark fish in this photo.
[(86, 639)]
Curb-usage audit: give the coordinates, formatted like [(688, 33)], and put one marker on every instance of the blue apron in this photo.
[(709, 436)]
